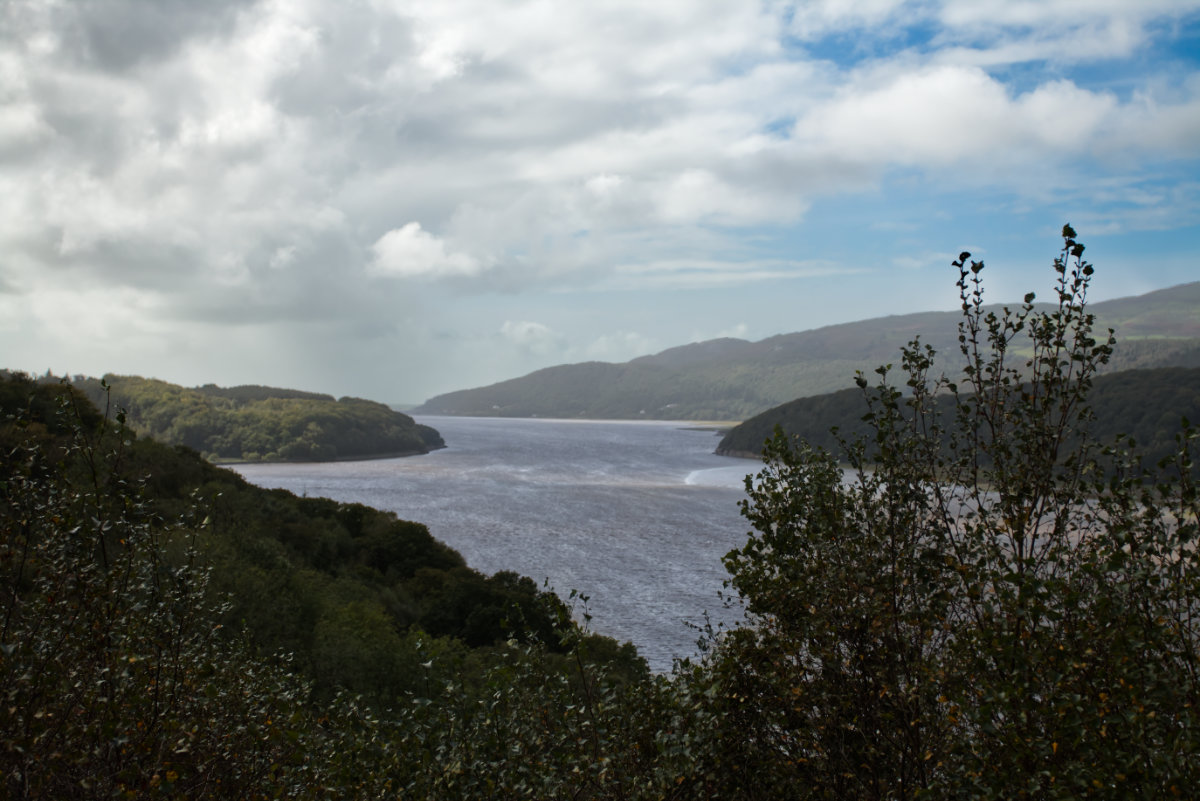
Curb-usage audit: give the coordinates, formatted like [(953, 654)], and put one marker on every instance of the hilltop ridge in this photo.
[(734, 379)]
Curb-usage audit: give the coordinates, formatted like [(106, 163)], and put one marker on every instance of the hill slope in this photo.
[(1145, 404), (254, 422), (732, 379), (350, 592)]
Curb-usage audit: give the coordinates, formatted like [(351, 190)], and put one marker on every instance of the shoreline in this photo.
[(364, 458), (738, 454)]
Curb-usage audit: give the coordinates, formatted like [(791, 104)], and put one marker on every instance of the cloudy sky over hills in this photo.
[(394, 198)]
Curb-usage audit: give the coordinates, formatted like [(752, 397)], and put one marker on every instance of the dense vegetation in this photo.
[(989, 604), (169, 627), (1146, 405), (355, 576), (252, 422), (731, 379)]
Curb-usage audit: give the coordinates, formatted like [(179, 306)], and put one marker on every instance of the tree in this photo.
[(986, 603), (119, 678), (116, 678)]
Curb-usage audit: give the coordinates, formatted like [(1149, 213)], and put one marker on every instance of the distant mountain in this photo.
[(733, 379), (251, 423)]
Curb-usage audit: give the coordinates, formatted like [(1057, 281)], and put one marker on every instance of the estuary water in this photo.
[(634, 514)]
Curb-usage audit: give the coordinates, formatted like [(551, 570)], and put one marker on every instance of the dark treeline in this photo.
[(1145, 405), (252, 423), (256, 392)]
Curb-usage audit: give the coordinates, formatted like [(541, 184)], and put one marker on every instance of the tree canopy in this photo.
[(1145, 405), (252, 423)]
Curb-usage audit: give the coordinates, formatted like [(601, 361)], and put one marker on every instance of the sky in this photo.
[(396, 198)]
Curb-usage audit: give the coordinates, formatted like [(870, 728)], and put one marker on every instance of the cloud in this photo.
[(604, 187), (410, 252), (709, 274), (925, 260), (620, 346), (538, 151), (1058, 14), (736, 331), (700, 196), (817, 18), (987, 31), (348, 171), (530, 336), (86, 325), (943, 116)]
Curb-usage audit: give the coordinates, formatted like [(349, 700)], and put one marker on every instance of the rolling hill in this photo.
[(252, 423), (733, 379), (1146, 404)]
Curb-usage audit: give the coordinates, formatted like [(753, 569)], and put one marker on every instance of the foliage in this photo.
[(351, 588), (252, 422), (987, 604), (1144, 405), (532, 726), (115, 677), (119, 678)]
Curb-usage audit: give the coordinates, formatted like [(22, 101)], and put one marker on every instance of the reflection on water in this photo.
[(637, 515)]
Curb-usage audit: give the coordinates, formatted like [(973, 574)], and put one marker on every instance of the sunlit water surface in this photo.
[(636, 515)]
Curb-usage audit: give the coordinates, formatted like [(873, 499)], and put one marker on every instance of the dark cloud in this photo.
[(143, 262), (120, 35)]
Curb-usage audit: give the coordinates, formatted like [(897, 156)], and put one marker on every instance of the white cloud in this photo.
[(604, 186), (534, 337), (698, 195), (1173, 129), (925, 260), (818, 17), (737, 331), (946, 115), (702, 274), (620, 346), (409, 251), (102, 322), (21, 126), (1034, 14)]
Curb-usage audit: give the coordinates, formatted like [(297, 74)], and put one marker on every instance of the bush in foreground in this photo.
[(1013, 614)]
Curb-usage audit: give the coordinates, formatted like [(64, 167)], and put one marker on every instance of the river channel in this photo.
[(634, 514)]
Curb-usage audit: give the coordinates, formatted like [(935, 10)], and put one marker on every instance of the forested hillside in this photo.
[(731, 379), (1146, 405), (167, 628), (345, 581), (252, 423)]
